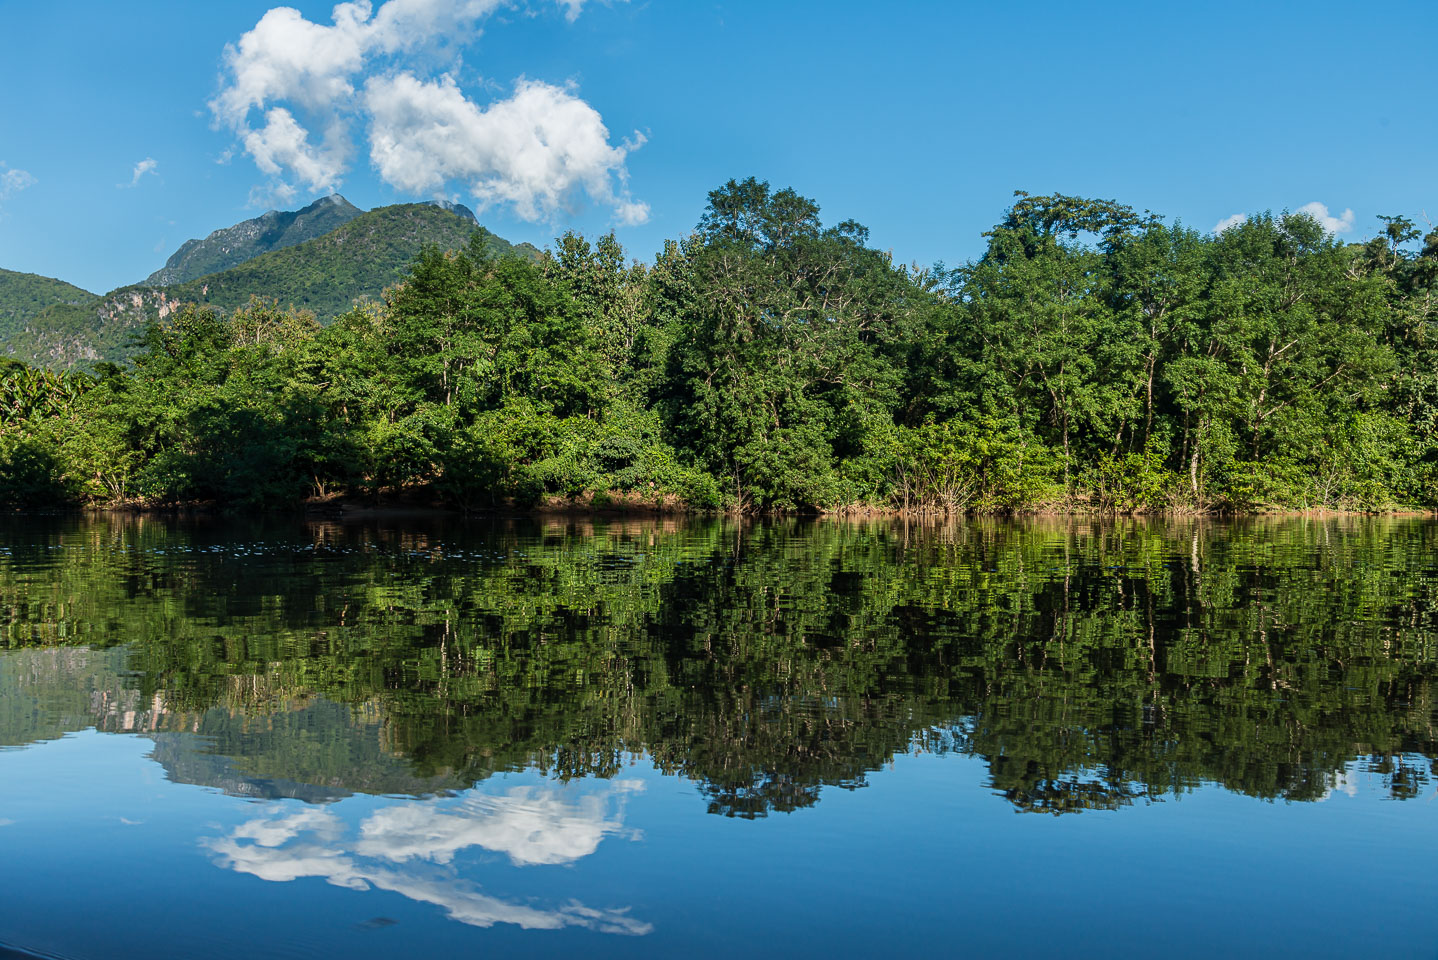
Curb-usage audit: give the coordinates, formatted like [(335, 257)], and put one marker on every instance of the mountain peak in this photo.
[(271, 230), (458, 209), (62, 326)]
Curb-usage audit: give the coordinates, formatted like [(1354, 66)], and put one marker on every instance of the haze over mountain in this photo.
[(285, 256)]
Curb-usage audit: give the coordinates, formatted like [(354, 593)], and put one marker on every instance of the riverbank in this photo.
[(632, 505)]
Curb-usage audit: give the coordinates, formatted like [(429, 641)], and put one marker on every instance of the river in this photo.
[(222, 738)]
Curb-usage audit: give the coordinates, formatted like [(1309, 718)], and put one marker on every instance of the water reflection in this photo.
[(1089, 665), (532, 825), (410, 849)]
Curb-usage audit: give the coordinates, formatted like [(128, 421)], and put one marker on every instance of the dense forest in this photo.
[(24, 296), (1093, 358)]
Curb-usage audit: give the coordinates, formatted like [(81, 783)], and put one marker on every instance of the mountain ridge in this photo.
[(25, 296), (325, 274), (458, 209), (233, 245)]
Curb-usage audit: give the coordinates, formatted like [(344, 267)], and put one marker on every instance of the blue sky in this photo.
[(918, 119)]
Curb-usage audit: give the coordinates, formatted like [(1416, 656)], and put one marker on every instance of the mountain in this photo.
[(271, 231), (456, 208), (24, 296), (325, 275), (313, 750), (328, 274)]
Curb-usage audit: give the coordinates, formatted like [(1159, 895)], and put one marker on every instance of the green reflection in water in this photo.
[(1089, 664)]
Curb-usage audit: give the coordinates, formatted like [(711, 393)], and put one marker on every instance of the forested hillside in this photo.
[(359, 259), (273, 230), (324, 275), (24, 296), (1092, 358)]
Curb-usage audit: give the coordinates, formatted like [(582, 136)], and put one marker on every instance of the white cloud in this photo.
[(1331, 224), (1228, 223), (533, 825), (535, 151), (539, 151), (282, 145), (12, 181), (408, 25), (572, 9), (145, 166), (286, 57)]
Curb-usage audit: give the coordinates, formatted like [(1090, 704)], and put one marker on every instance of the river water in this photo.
[(636, 738)]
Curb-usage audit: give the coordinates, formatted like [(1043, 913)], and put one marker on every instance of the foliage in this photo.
[(24, 296), (30, 475), (956, 466), (1094, 358), (781, 355), (326, 275), (358, 260)]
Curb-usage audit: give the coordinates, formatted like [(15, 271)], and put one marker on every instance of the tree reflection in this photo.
[(1090, 665)]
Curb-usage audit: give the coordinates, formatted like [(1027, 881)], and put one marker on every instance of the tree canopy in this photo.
[(1092, 358)]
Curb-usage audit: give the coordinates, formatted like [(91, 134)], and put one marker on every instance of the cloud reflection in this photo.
[(533, 825), (409, 848)]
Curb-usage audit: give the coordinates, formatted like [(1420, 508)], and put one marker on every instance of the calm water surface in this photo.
[(708, 739)]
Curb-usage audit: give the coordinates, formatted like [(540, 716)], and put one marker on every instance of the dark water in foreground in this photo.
[(661, 738)]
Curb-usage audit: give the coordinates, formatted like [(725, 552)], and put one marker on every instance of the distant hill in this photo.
[(360, 259), (328, 274), (232, 246), (24, 296), (325, 275)]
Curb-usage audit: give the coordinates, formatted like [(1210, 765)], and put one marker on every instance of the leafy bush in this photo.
[(1132, 482), (31, 475), (961, 465)]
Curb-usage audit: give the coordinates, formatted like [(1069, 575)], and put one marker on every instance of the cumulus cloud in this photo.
[(12, 181), (536, 151), (282, 145), (539, 825), (540, 151), (1331, 224), (1228, 223), (411, 24), (145, 166)]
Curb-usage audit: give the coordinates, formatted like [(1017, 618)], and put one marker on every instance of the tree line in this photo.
[(1093, 358)]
